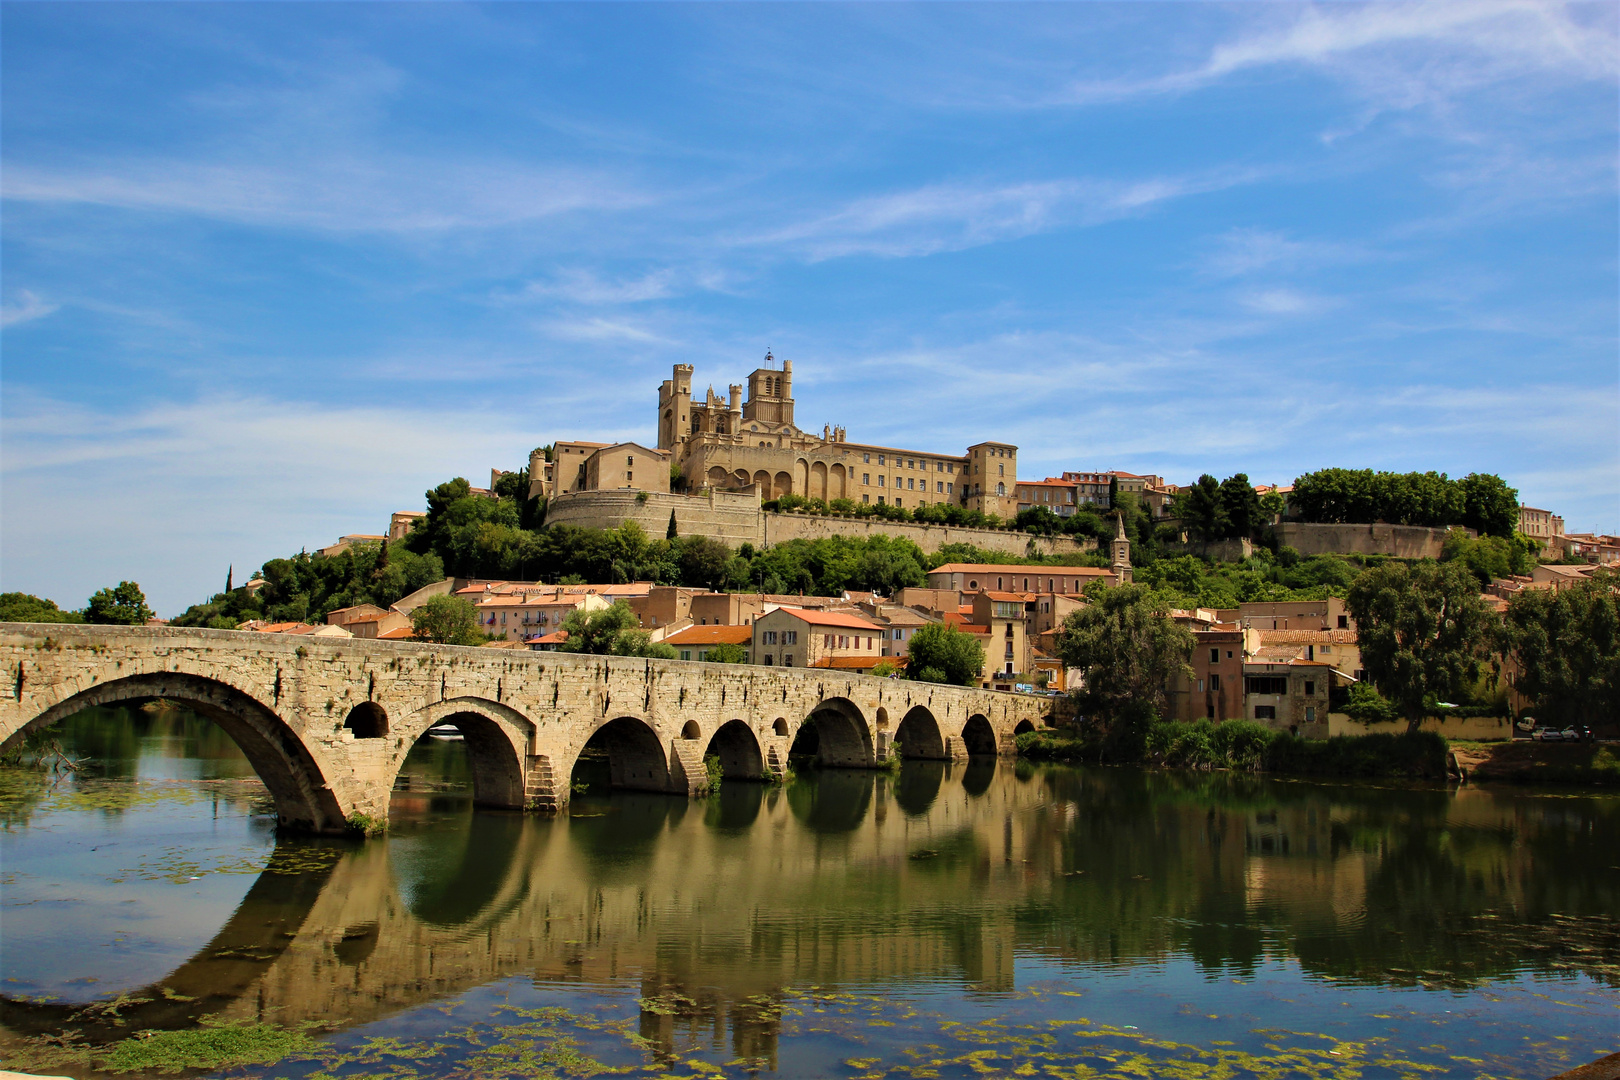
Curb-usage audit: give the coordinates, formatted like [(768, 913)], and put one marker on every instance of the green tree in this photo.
[(1491, 557), (1423, 632), (640, 643), (1566, 647), (1201, 509), (1038, 519), (1128, 648), (123, 604), (671, 532), (1490, 507), (447, 620), (726, 653), (1240, 503), (597, 631), (946, 652), (23, 607)]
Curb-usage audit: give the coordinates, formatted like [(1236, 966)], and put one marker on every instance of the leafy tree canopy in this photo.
[(942, 653), (1479, 501), (447, 620), (726, 653), (123, 604), (22, 607), (1423, 631), (1565, 646), (1128, 648)]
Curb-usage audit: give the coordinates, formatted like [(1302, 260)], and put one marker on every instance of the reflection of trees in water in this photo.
[(761, 887)]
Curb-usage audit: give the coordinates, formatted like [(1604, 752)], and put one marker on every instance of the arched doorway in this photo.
[(632, 754), (740, 759), (303, 796), (835, 736), (979, 737), (919, 735), (472, 744)]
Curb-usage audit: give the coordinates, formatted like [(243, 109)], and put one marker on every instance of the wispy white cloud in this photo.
[(1241, 252), (599, 329), (25, 308), (1285, 301), (586, 287), (952, 217), (1458, 47)]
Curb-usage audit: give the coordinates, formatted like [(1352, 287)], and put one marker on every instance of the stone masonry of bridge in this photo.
[(327, 723)]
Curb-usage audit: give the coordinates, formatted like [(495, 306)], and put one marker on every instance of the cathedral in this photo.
[(738, 444)]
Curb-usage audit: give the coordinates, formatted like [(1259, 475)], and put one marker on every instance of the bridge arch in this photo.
[(636, 756), (836, 733), (303, 798), (919, 735), (367, 720), (738, 750), (1023, 726), (496, 737), (978, 737)]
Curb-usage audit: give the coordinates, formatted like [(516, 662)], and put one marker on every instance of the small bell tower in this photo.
[(1122, 552)]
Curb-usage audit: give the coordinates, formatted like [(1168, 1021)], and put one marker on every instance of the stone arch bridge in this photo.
[(327, 724)]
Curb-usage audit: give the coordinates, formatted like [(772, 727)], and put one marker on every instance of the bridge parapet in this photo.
[(327, 724)]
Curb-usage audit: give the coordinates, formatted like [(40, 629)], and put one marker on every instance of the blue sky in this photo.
[(271, 271)]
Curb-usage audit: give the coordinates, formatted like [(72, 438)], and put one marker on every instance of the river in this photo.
[(992, 919)]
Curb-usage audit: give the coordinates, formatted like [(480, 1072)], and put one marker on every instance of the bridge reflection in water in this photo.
[(855, 878)]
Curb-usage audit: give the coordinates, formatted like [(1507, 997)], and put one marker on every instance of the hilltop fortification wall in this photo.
[(1401, 541), (736, 518)]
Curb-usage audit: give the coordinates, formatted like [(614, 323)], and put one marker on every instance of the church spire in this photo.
[(1122, 551)]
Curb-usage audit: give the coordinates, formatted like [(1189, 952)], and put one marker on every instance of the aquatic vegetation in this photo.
[(212, 1046)]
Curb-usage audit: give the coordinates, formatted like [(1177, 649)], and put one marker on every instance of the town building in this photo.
[(1541, 525), (1288, 695), (796, 637), (976, 577), (694, 642)]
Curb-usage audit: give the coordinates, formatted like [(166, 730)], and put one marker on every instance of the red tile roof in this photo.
[(401, 633), (830, 618), (712, 635)]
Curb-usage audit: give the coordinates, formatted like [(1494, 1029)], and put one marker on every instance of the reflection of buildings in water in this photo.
[(738, 896), (713, 907)]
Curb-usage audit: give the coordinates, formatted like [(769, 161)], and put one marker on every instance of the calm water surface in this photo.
[(979, 920)]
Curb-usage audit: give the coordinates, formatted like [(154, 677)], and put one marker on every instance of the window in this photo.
[(1310, 689), (630, 461), (973, 584), (770, 637), (1265, 712), (770, 661), (1344, 622), (880, 498), (866, 478), (866, 458), (1214, 656), (897, 502), (1001, 470), (790, 637), (629, 477), (1327, 650), (910, 464), (880, 459), (881, 479), (686, 654), (827, 640), (866, 499), (948, 488), (1310, 714), (899, 635), (911, 484), (1265, 684), (950, 466), (1229, 654), (1215, 682), (1005, 609), (787, 659), (939, 487), (843, 641), (1001, 489)]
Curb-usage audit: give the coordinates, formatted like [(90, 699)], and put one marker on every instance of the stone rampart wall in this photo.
[(783, 527), (1401, 541), (1480, 728), (736, 518)]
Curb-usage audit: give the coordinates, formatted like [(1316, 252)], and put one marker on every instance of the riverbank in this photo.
[(1247, 746), (1525, 762)]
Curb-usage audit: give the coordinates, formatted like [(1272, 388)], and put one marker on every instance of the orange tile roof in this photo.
[(1009, 597), (856, 663), (830, 618), (712, 635), (556, 637), (400, 633)]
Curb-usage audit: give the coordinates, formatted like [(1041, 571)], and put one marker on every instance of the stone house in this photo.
[(797, 637), (1288, 695)]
